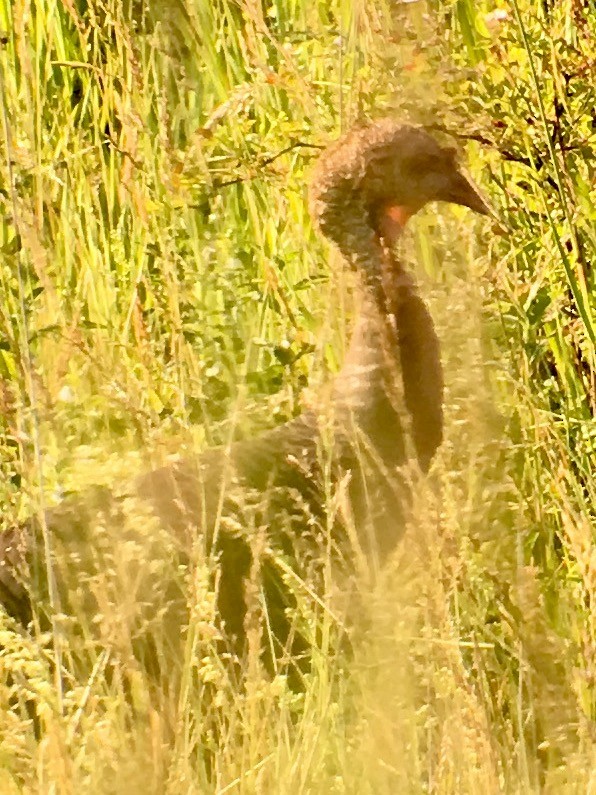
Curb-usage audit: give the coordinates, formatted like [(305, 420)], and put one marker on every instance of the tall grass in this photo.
[(162, 289)]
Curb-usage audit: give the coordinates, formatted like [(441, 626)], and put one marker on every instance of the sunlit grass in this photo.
[(162, 288)]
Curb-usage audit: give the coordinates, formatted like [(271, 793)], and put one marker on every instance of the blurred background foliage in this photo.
[(161, 286)]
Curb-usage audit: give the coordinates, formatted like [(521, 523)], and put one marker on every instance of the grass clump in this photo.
[(162, 288)]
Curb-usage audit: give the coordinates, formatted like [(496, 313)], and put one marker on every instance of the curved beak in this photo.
[(461, 190)]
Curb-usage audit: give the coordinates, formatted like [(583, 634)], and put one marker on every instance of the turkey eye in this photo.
[(421, 164)]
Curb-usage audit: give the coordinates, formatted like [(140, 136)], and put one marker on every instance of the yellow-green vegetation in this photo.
[(161, 287)]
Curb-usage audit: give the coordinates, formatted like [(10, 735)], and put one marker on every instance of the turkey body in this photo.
[(284, 485), (335, 466)]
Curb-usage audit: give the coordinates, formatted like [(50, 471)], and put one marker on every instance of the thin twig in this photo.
[(266, 162), (535, 164)]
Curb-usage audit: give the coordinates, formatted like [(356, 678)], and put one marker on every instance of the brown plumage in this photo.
[(364, 188)]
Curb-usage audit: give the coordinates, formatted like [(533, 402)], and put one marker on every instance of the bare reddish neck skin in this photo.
[(397, 282), (391, 221)]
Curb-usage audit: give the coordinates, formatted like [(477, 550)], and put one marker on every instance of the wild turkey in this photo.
[(364, 189)]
